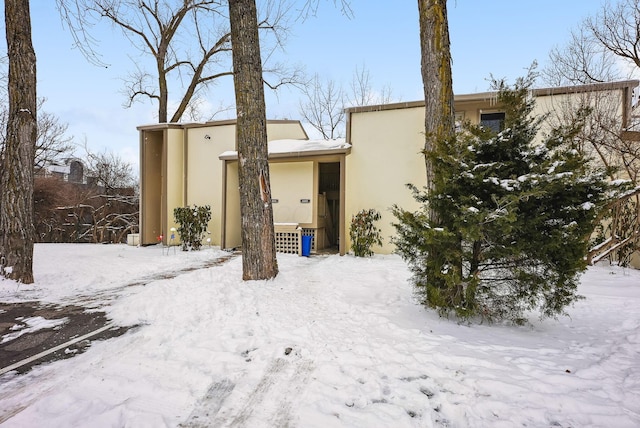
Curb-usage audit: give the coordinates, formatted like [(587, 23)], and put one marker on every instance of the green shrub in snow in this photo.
[(514, 217)]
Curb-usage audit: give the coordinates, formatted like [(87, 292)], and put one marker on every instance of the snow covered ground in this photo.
[(331, 342)]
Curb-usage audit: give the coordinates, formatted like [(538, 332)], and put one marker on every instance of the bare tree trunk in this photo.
[(258, 240), (439, 114), (436, 77), (16, 174), (163, 93)]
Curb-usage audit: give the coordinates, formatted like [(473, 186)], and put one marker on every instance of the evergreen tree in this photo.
[(514, 217)]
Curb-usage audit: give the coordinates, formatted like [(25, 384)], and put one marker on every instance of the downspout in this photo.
[(342, 228), (185, 165), (164, 206), (223, 207), (347, 138), (342, 247), (141, 207)]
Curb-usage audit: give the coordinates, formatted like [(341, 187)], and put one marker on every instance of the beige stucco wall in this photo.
[(281, 130), (194, 172), (385, 156), (387, 144), (204, 170), (292, 182), (607, 104)]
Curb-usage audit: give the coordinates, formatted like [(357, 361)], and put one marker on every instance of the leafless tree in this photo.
[(17, 156), (101, 208), (617, 28), (362, 92), (201, 110), (582, 60), (310, 8), (619, 234), (187, 41), (52, 142), (108, 171), (324, 101), (323, 107), (596, 52), (602, 139)]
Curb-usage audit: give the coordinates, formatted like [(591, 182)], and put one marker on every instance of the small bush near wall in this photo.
[(363, 232), (192, 224)]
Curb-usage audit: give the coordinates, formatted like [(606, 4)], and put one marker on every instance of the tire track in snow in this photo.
[(207, 408), (269, 403)]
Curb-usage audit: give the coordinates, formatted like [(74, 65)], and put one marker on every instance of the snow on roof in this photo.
[(297, 147), (61, 169)]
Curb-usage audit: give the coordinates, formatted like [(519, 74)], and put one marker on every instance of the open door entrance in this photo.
[(329, 187), (151, 170)]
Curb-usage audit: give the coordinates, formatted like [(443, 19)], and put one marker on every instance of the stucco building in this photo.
[(318, 185)]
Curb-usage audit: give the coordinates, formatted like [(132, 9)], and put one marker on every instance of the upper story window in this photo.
[(493, 121)]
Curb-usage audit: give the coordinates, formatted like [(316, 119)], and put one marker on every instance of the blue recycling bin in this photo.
[(306, 245)]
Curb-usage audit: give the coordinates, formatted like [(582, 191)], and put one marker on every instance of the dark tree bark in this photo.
[(258, 240), (436, 77), (16, 174), (439, 114)]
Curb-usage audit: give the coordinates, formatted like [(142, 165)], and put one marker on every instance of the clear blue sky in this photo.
[(499, 37)]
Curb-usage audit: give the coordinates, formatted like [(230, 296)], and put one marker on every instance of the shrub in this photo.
[(363, 233), (192, 223), (513, 218)]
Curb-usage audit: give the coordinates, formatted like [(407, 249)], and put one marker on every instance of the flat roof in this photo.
[(290, 148), (225, 122), (491, 95)]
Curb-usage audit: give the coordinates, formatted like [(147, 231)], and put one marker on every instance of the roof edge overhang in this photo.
[(485, 96), (226, 122), (593, 87), (295, 155), (159, 126)]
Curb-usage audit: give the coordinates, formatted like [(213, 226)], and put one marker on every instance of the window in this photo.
[(493, 121)]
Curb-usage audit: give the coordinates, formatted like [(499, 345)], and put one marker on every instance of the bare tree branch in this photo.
[(323, 107), (617, 28), (187, 41), (325, 100), (582, 60), (108, 170), (310, 8)]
